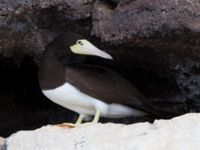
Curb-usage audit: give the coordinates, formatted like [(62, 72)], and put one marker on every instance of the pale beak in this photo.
[(88, 48)]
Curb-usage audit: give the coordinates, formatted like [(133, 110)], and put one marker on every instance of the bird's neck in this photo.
[(51, 72)]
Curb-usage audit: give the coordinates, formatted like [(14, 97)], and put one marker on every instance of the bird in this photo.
[(85, 88)]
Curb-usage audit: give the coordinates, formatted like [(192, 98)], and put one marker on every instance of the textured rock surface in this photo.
[(179, 133), (26, 24), (153, 20)]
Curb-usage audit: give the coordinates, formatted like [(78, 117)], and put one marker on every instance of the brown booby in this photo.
[(87, 89)]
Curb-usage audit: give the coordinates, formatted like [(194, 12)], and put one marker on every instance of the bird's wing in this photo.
[(105, 85)]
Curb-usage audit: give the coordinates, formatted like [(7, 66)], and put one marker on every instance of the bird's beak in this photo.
[(84, 47)]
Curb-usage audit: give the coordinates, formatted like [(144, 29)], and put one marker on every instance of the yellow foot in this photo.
[(72, 125), (80, 119)]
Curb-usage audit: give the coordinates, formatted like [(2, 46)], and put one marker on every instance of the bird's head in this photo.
[(71, 47), (85, 47)]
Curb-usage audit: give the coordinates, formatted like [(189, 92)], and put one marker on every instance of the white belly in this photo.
[(70, 97)]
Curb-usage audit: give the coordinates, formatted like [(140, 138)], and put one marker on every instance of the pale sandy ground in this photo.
[(181, 133)]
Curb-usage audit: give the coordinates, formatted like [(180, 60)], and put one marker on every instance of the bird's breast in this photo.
[(70, 97)]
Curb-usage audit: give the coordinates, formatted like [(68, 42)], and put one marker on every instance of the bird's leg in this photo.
[(96, 117), (79, 120), (81, 117)]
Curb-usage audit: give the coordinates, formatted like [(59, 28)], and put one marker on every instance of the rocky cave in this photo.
[(155, 45)]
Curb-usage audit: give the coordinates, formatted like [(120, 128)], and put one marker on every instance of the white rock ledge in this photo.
[(2, 143), (181, 133)]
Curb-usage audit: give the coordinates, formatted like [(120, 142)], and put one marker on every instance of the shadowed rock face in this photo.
[(155, 44)]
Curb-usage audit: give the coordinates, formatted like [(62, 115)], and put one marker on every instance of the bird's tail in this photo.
[(159, 113)]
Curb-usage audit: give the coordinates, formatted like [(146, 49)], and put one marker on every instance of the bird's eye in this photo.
[(80, 42)]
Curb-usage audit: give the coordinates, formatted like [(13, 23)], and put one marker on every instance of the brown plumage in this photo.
[(104, 84), (96, 81)]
